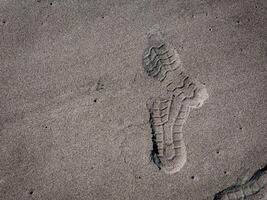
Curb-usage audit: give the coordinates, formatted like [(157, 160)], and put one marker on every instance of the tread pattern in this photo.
[(159, 60), (168, 115), (255, 188)]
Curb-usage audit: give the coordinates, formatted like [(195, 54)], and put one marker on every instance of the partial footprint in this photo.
[(159, 57), (168, 115), (254, 188)]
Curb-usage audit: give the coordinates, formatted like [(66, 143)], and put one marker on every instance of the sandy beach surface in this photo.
[(73, 118)]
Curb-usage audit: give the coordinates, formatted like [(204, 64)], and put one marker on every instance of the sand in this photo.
[(73, 91)]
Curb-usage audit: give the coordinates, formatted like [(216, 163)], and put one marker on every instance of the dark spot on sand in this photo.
[(31, 192)]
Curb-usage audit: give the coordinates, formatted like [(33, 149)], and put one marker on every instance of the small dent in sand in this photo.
[(45, 126), (138, 177), (31, 192), (99, 85)]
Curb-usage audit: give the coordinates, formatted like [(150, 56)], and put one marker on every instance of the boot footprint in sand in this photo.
[(168, 114)]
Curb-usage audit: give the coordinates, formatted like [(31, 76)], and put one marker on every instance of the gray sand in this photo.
[(73, 92)]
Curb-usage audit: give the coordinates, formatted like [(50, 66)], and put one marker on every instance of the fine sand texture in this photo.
[(77, 100)]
